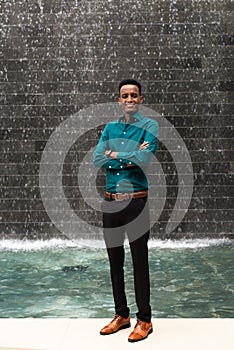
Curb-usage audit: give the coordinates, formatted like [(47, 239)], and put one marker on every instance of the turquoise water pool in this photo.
[(59, 278)]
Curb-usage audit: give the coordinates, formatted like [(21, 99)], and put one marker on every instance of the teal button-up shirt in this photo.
[(127, 172)]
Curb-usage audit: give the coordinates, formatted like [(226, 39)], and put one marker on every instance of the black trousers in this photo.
[(118, 218)]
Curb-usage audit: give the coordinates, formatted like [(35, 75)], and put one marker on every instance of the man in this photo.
[(125, 149)]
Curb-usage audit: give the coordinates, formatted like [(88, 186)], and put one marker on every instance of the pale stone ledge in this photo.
[(82, 334)]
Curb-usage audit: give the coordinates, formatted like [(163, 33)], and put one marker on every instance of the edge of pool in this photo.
[(69, 334)]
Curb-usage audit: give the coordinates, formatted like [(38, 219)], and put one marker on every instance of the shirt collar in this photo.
[(135, 118)]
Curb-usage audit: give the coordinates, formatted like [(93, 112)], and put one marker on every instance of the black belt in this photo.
[(124, 196)]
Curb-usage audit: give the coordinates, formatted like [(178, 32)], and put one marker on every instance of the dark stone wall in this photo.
[(59, 56)]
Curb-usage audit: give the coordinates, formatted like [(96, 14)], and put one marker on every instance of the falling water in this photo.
[(61, 57)]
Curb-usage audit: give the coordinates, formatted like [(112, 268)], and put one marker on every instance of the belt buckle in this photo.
[(120, 196)]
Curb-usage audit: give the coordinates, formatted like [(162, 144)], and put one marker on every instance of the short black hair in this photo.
[(130, 82)]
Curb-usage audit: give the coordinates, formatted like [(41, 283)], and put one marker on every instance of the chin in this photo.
[(131, 110)]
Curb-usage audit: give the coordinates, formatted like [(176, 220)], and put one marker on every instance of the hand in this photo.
[(144, 145), (112, 155), (106, 152)]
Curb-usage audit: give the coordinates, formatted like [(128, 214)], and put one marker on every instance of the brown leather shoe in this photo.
[(115, 325), (141, 331)]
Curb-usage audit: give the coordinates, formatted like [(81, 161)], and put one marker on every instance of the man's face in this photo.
[(130, 98)]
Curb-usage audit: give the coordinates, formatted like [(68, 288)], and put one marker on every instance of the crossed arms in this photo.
[(118, 159)]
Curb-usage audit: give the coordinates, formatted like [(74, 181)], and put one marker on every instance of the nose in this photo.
[(129, 98)]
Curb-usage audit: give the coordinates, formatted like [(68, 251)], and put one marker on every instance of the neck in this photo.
[(127, 116)]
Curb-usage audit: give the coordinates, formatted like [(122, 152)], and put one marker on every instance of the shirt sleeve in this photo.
[(99, 158), (142, 157)]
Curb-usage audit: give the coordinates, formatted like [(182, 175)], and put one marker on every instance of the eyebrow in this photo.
[(132, 93)]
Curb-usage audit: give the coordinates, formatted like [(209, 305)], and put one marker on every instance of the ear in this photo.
[(141, 99), (119, 100)]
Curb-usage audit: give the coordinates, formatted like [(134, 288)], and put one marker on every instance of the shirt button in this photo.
[(122, 142), (121, 166), (120, 160), (117, 173), (124, 132), (109, 166), (117, 185), (130, 163)]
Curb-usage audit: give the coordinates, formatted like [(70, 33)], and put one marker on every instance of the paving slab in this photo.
[(16, 348), (75, 334)]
